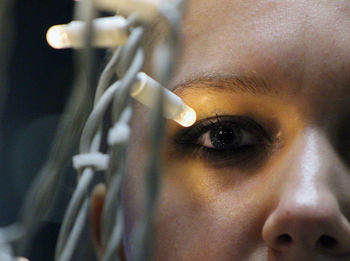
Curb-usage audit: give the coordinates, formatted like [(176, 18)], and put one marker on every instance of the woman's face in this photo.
[(264, 173)]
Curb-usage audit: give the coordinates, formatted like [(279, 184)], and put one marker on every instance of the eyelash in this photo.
[(189, 140)]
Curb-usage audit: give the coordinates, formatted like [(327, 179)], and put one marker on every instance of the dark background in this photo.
[(39, 81)]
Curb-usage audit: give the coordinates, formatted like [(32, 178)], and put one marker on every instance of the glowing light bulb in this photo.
[(146, 89), (187, 116), (57, 37), (108, 32)]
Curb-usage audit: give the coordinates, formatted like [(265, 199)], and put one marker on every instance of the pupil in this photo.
[(225, 137)]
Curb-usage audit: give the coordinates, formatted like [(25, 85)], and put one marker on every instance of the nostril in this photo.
[(326, 242), (284, 239)]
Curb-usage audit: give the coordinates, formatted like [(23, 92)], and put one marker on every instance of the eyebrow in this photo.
[(238, 83)]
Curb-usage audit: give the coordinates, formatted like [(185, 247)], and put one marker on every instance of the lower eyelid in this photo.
[(246, 158)]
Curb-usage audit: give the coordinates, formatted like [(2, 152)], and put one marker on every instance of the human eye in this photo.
[(225, 140)]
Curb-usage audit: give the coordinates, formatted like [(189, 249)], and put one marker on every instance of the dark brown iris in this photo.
[(225, 137)]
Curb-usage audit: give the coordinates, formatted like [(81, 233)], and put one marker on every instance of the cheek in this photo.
[(203, 213), (133, 189), (206, 215)]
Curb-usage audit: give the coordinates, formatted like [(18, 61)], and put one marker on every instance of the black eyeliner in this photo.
[(247, 156), (200, 127)]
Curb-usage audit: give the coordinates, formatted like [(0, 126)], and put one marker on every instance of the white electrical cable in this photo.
[(77, 228), (6, 253), (97, 161), (119, 134), (145, 9), (73, 210)]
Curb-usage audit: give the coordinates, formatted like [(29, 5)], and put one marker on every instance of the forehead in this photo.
[(294, 43)]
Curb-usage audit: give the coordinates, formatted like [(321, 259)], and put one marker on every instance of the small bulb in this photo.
[(187, 117), (108, 32), (57, 37), (145, 90)]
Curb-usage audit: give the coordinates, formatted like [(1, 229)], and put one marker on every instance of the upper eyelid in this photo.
[(243, 120), (203, 125)]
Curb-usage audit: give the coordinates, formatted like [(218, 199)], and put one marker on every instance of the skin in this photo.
[(292, 201)]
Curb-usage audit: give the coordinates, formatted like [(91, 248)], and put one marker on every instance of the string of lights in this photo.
[(124, 37)]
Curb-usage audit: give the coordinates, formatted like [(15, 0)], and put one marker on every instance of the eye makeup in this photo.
[(224, 141)]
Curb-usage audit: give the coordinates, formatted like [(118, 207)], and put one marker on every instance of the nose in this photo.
[(311, 213)]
